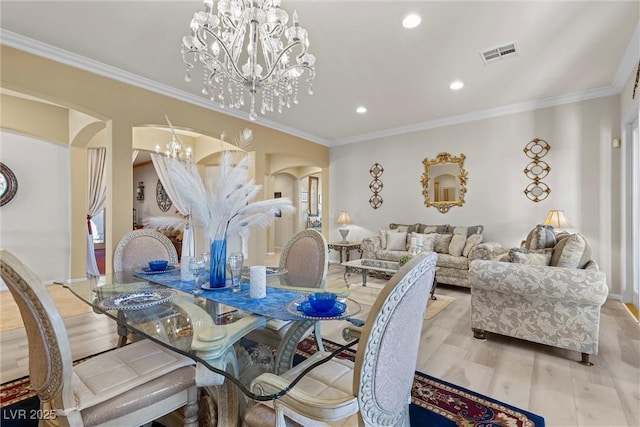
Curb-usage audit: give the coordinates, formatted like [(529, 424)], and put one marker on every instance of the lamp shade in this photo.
[(343, 218), (557, 219)]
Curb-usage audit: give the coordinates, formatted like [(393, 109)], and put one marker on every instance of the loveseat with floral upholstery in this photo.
[(455, 247), (547, 291)]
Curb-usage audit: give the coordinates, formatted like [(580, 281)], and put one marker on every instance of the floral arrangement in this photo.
[(223, 205)]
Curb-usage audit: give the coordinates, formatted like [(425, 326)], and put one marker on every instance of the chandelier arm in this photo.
[(284, 51), (226, 51)]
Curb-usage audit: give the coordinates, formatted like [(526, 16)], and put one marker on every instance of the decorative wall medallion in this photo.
[(163, 200), (537, 169), (8, 184), (376, 185)]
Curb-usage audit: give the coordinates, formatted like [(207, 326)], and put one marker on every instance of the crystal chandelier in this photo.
[(242, 48), (176, 148)]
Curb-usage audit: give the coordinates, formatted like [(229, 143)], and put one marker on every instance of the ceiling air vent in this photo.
[(498, 53)]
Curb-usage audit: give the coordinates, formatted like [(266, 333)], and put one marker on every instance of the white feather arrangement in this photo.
[(223, 205)]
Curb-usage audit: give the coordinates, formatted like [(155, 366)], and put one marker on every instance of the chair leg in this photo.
[(585, 360), (280, 421), (318, 336), (479, 334), (122, 331), (191, 409)]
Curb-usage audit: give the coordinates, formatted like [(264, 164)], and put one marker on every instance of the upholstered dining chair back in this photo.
[(138, 247), (128, 386), (50, 358), (385, 362), (306, 258)]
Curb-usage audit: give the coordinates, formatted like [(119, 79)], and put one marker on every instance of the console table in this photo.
[(346, 247)]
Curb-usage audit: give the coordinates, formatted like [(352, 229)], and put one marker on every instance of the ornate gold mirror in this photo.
[(444, 181)]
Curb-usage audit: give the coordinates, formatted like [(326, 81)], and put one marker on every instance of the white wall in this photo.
[(284, 227), (580, 136), (34, 225)]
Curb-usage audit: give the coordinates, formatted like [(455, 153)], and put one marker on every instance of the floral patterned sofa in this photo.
[(455, 246), (549, 291)]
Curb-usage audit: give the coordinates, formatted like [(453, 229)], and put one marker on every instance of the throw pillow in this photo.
[(541, 237), (428, 240), (427, 229), (472, 240), (571, 252), (442, 242), (457, 244), (396, 241), (409, 228), (530, 256), (383, 239), (467, 231)]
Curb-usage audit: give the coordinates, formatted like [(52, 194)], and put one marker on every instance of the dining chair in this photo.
[(131, 386), (375, 389), (134, 251), (306, 259), (138, 247)]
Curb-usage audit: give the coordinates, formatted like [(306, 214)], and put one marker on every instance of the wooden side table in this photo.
[(345, 247)]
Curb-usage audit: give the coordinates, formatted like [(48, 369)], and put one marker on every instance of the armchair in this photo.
[(556, 306), (376, 389)]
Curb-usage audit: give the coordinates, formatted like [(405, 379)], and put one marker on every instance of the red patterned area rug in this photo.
[(436, 403)]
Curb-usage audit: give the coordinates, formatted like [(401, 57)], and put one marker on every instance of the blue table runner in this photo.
[(273, 305)]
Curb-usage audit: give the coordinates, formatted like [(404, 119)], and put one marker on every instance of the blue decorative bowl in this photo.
[(322, 301), (158, 265)]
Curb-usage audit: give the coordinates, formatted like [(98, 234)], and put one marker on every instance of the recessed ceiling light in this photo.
[(361, 110), (411, 21), (456, 85)]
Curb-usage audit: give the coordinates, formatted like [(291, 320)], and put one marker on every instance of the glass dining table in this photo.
[(209, 327)]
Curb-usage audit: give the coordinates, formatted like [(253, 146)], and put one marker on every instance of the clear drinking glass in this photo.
[(235, 262), (206, 256), (197, 267)]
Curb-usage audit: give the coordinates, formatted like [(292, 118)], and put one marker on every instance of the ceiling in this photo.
[(567, 51)]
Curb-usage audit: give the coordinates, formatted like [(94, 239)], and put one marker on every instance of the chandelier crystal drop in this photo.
[(245, 47)]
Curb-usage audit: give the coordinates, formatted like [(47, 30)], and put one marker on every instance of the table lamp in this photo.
[(558, 220), (344, 219)]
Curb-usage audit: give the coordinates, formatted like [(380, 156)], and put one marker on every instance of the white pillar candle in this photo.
[(258, 281), (420, 239), (413, 241)]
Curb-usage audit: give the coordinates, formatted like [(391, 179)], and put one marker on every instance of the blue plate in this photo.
[(147, 270), (337, 310)]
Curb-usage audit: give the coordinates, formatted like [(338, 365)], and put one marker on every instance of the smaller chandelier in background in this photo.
[(245, 47), (176, 150)]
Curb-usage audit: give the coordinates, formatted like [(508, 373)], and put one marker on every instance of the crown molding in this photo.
[(35, 47), (17, 41), (483, 114), (629, 60)]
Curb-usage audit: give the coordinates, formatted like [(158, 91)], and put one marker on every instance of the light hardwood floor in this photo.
[(541, 379)]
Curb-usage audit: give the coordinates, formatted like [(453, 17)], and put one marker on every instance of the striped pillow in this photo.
[(571, 252)]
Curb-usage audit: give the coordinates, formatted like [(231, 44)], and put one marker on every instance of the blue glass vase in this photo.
[(218, 266)]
